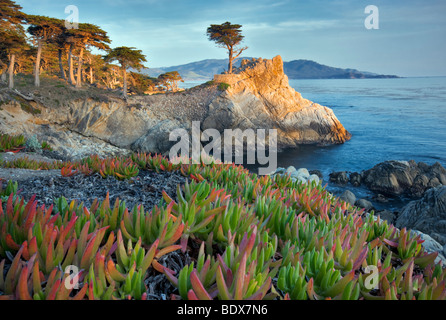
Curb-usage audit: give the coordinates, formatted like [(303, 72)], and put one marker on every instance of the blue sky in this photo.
[(411, 40)]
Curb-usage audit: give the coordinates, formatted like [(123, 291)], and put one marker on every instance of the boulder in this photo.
[(339, 177), (430, 245), (390, 177), (314, 178), (365, 204), (290, 169), (427, 215), (318, 173), (355, 179), (349, 197), (387, 215), (404, 177), (303, 173)]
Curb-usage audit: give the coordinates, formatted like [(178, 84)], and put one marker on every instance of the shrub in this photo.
[(223, 86), (32, 144)]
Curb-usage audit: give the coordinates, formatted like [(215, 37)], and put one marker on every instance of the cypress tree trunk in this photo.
[(37, 65), (79, 69), (91, 75), (62, 71), (124, 89), (231, 54), (70, 65), (3, 75), (11, 71)]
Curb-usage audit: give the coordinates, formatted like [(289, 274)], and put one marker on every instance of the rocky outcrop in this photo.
[(259, 98), (427, 215), (402, 177), (395, 178), (348, 197), (339, 177)]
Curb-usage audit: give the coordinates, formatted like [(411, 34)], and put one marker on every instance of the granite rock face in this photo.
[(260, 97), (404, 177), (427, 215)]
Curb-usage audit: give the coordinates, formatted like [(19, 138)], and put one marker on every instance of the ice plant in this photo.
[(10, 143), (247, 237)]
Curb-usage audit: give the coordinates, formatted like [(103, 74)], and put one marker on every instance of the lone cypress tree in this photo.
[(127, 58), (227, 36)]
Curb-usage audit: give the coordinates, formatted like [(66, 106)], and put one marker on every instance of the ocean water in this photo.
[(390, 119)]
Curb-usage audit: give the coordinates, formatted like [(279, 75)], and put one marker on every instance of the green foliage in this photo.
[(46, 146), (11, 143), (223, 86), (170, 80), (228, 36), (127, 57), (32, 144)]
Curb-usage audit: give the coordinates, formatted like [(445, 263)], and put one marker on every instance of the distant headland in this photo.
[(297, 69)]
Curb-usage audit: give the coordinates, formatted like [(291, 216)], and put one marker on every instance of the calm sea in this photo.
[(390, 119)]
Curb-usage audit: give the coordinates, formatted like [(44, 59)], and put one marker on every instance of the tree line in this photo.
[(33, 44), (47, 46)]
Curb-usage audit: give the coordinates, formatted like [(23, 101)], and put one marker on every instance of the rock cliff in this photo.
[(259, 98)]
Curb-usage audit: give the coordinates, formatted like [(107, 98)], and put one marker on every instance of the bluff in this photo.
[(259, 97)]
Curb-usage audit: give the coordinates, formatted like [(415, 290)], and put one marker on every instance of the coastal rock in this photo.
[(290, 170), (339, 177), (430, 245), (260, 97), (380, 198), (301, 175), (349, 197), (387, 215), (355, 179), (427, 214), (365, 204), (314, 178), (404, 177), (318, 173), (390, 177)]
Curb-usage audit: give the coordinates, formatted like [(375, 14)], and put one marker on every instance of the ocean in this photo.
[(390, 119)]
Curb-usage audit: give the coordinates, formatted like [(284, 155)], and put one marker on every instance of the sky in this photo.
[(410, 41)]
